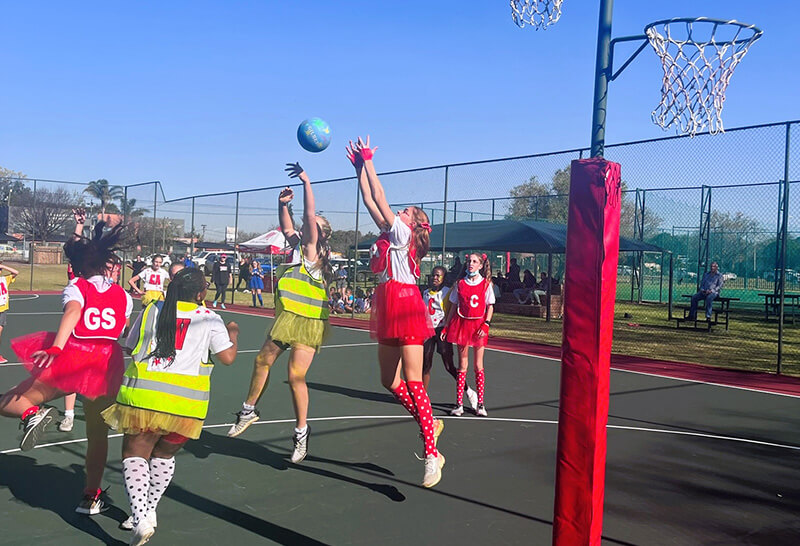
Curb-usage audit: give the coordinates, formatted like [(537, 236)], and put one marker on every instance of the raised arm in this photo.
[(366, 193), (80, 219), (375, 186), (284, 217), (310, 230)]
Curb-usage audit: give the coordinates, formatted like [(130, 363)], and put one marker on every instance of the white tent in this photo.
[(271, 242)]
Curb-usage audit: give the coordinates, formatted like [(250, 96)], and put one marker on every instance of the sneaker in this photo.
[(3, 359), (128, 525), (481, 410), (300, 445), (222, 305), (214, 305), (438, 427), (33, 426), (433, 470), (472, 396), (458, 411), (92, 504), (243, 420), (141, 533), (66, 424)]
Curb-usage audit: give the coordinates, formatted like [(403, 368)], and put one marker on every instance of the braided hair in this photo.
[(91, 256), (185, 286)]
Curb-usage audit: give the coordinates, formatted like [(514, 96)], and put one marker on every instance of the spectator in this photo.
[(456, 267), (710, 287), (513, 274), (187, 261), (222, 276), (524, 294), (542, 288), (244, 273), (348, 300), (137, 265), (360, 301), (341, 278)]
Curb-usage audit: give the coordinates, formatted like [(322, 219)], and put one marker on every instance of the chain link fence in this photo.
[(709, 198)]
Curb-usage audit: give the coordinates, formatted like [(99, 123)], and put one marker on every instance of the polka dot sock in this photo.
[(402, 396), (136, 472), (161, 472), (479, 385), (460, 383), (423, 404)]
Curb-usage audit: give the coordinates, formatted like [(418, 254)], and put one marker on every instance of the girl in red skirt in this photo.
[(467, 325), (399, 319), (83, 356)]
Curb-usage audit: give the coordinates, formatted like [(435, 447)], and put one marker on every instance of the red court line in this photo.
[(767, 382)]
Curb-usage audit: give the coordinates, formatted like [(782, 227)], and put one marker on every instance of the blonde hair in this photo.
[(419, 235), (324, 247)]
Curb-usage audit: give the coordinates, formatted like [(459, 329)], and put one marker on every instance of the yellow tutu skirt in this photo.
[(291, 329), (130, 420), (151, 296)]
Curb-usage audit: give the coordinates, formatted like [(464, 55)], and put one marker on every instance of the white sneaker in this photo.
[(433, 470), (33, 426), (472, 396), (243, 420), (481, 410), (127, 525), (458, 411), (66, 424), (300, 445), (223, 306), (142, 533), (214, 305)]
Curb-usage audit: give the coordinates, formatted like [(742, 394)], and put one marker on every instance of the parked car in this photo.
[(10, 252), (729, 276)]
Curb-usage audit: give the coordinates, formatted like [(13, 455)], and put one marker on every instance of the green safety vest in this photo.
[(301, 294), (176, 394)]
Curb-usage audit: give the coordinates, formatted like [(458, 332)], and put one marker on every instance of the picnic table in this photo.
[(772, 304), (721, 306)]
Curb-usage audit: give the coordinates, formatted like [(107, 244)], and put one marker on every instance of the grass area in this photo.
[(639, 330)]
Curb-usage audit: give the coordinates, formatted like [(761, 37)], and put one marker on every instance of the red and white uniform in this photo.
[(435, 304), (153, 279), (399, 316), (473, 296), (91, 362)]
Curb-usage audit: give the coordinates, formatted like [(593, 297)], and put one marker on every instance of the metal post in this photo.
[(602, 73), (550, 286), (444, 220), (492, 209), (33, 233), (705, 233), (235, 246), (192, 234), (455, 211), (783, 244), (669, 290), (124, 221), (155, 206), (355, 250)]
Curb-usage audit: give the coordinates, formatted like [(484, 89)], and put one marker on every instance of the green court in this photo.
[(688, 462)]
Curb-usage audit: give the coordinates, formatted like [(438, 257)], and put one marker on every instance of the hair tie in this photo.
[(483, 257), (426, 226)]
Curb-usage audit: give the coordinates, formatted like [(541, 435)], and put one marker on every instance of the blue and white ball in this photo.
[(314, 135)]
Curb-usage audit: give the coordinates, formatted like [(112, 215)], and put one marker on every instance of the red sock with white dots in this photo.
[(402, 396), (460, 382), (423, 404), (480, 382)]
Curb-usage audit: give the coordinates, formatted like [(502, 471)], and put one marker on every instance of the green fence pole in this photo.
[(783, 245), (33, 233), (602, 74)]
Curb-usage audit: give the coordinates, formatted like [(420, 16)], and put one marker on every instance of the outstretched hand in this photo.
[(353, 155), (294, 170), (79, 214), (287, 194), (365, 150)]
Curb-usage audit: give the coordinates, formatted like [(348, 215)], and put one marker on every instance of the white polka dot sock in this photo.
[(161, 472), (136, 472), (423, 406)]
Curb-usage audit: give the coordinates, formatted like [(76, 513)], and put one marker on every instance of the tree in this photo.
[(129, 209), (105, 193), (12, 188), (48, 215), (342, 240)]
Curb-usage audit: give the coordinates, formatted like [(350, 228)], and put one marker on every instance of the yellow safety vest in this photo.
[(176, 394), (301, 294)]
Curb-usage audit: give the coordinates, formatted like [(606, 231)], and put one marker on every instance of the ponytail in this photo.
[(420, 234), (185, 286)]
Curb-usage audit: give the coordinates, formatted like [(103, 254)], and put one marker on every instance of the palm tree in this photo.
[(129, 209), (105, 193)]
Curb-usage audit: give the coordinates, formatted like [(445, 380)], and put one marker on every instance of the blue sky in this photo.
[(207, 96)]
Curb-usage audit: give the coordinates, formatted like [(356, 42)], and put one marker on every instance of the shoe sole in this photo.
[(144, 538), (428, 486), (92, 512), (65, 429), (437, 434), (304, 454), (31, 437), (246, 426)]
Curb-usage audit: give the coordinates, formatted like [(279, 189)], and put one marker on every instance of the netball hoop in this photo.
[(698, 56), (539, 14)]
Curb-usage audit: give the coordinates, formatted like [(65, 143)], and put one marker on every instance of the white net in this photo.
[(698, 57), (536, 13)]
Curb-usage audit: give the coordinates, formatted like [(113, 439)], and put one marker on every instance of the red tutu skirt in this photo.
[(92, 368), (464, 332), (398, 313)]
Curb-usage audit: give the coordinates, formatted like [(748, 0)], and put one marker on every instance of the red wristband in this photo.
[(366, 154), (485, 329), (53, 350)]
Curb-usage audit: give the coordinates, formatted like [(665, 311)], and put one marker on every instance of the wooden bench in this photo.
[(721, 307), (508, 304), (772, 305)]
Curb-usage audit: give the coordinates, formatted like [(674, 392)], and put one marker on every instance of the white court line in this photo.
[(40, 313), (9, 364), (498, 419), (25, 298)]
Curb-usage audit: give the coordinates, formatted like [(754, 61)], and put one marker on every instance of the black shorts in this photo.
[(3, 318), (434, 345)]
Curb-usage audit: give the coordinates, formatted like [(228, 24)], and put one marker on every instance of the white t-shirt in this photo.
[(314, 268), (153, 279), (202, 331), (490, 299), (399, 237), (434, 301), (73, 293)]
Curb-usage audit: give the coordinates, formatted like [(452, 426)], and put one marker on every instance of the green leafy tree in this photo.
[(104, 192)]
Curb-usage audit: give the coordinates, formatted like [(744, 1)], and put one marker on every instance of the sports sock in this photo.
[(402, 396), (30, 411), (300, 431), (425, 420), (69, 413), (260, 301), (479, 385), (460, 382), (161, 472), (247, 408), (136, 472), (254, 298)]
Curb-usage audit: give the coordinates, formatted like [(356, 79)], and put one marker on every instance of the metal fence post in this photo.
[(784, 234), (155, 207), (355, 250), (492, 209), (236, 247), (444, 220), (124, 222), (33, 233), (705, 223), (191, 242)]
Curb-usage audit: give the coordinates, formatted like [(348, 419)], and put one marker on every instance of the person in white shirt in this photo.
[(154, 278)]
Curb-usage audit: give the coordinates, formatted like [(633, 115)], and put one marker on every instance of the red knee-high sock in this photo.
[(479, 380), (402, 396), (460, 382), (423, 404)]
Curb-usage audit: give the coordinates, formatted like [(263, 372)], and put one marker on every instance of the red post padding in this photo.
[(590, 284)]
